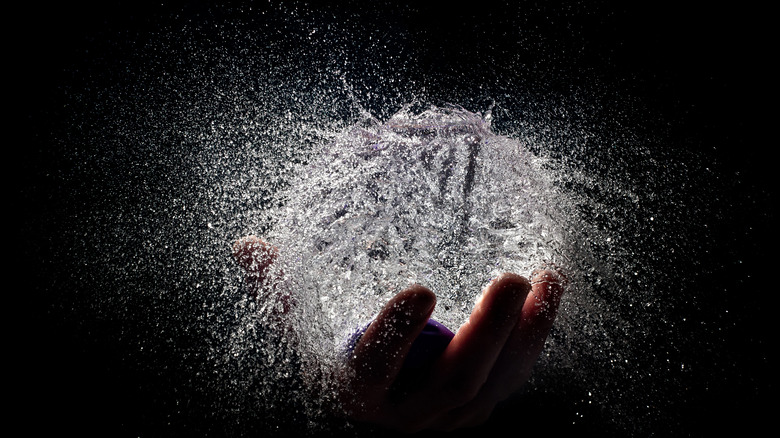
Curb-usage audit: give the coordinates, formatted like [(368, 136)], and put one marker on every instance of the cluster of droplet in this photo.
[(198, 140), (434, 198)]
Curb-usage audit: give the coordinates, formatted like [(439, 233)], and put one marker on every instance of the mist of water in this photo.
[(204, 140)]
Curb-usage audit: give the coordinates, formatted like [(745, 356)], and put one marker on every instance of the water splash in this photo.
[(203, 134), (434, 198)]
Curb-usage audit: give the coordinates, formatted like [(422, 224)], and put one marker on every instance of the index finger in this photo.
[(381, 351), (466, 363)]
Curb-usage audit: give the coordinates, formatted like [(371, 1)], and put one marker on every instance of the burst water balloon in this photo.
[(434, 198)]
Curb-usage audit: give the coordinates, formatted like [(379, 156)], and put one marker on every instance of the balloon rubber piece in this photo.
[(428, 345)]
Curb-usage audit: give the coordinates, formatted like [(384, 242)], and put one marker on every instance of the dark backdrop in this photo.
[(703, 69)]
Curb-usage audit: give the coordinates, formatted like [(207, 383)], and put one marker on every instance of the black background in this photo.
[(704, 69)]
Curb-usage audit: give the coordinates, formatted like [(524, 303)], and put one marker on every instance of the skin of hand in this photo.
[(489, 359)]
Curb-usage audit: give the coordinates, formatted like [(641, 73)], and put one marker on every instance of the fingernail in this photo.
[(421, 300), (551, 285), (507, 291), (546, 275)]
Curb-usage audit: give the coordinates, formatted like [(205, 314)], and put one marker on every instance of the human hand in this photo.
[(490, 357), (255, 257)]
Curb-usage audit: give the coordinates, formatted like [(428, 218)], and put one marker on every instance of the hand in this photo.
[(256, 257), (490, 357)]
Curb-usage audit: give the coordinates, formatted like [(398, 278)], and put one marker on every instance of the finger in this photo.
[(537, 319), (514, 365), (466, 363), (254, 255), (380, 353)]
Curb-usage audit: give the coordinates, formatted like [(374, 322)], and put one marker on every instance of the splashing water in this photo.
[(434, 198), (437, 198), (193, 141)]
